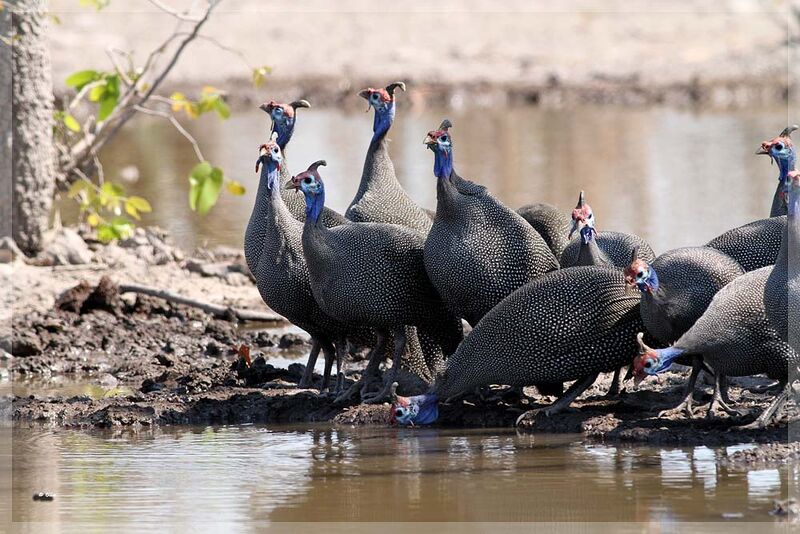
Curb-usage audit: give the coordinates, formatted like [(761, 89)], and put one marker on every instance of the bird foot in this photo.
[(379, 397), (758, 424), (772, 389), (349, 395), (683, 409), (307, 382), (718, 407)]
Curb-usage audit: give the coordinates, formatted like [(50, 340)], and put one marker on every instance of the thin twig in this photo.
[(223, 312), (180, 16), (178, 126), (120, 71)]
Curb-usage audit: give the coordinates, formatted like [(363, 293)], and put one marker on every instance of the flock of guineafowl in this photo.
[(549, 300)]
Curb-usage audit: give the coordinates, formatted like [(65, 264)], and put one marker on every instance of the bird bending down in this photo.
[(677, 288), (370, 275), (570, 324)]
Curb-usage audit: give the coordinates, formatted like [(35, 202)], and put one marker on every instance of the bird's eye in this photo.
[(648, 364), (778, 147), (307, 180), (274, 150), (444, 138), (374, 96), (398, 412), (640, 273)]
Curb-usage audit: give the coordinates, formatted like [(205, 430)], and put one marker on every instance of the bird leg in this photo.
[(308, 376), (685, 407), (613, 391), (570, 395), (773, 388), (376, 356), (399, 350), (720, 382), (341, 364), (777, 403), (327, 350)]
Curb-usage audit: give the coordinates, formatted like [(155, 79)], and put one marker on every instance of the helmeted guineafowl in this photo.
[(603, 248), (782, 151), (284, 119), (380, 197), (782, 294), (753, 245), (735, 338), (570, 324), (677, 287), (372, 274), (478, 251), (280, 269), (550, 222)]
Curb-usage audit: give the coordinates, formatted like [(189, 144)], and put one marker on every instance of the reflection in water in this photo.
[(248, 476), (676, 177)]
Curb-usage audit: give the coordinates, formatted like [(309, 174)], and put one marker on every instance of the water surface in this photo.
[(244, 476)]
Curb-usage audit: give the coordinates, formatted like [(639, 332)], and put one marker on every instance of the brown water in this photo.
[(675, 177), (244, 476)]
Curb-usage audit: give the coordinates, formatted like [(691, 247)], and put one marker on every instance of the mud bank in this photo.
[(156, 362)]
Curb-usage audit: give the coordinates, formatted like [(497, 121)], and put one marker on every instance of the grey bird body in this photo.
[(753, 245), (550, 222), (478, 251), (381, 198), (566, 325), (612, 247), (688, 279)]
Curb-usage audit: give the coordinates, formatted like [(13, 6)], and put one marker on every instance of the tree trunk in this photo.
[(33, 155)]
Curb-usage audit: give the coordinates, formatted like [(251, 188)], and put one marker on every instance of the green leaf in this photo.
[(81, 78), (106, 233), (235, 188), (130, 209), (123, 228), (112, 190), (222, 108), (93, 219), (71, 123), (259, 73), (97, 92), (97, 4), (140, 204), (107, 105), (205, 185)]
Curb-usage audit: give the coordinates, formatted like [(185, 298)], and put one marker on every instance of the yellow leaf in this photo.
[(76, 188), (93, 219), (140, 204), (130, 209), (209, 89), (235, 188)]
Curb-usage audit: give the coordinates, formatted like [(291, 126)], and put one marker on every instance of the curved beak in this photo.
[(364, 93), (762, 151), (429, 140), (289, 185), (264, 107)]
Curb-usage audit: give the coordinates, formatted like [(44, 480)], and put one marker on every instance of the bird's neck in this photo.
[(669, 354), (650, 284), (590, 253), (314, 205), (784, 166), (285, 132), (443, 164), (790, 240), (257, 226), (381, 123)]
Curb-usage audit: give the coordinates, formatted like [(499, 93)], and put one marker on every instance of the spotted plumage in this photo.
[(678, 286), (380, 197), (735, 338), (284, 120), (591, 247), (752, 245), (569, 324), (782, 293), (550, 222), (372, 274), (478, 251), (280, 269)]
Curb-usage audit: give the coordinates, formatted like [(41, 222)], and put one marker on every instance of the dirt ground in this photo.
[(160, 363)]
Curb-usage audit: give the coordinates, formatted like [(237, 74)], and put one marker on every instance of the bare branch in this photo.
[(178, 126), (226, 48), (180, 16), (120, 71)]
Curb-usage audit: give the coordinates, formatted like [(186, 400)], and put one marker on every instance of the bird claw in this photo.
[(684, 408)]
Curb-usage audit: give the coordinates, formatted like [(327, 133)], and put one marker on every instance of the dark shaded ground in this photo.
[(181, 366)]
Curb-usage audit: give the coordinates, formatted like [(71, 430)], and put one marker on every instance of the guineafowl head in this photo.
[(269, 162), (310, 184), (640, 274), (583, 219), (383, 102), (782, 151), (283, 118), (652, 361), (416, 410), (441, 143)]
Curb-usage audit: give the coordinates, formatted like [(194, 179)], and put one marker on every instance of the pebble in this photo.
[(43, 496)]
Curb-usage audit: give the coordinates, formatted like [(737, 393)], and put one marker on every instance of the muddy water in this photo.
[(248, 475), (675, 177)]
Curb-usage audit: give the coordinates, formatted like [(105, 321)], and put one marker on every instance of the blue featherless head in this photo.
[(383, 102), (650, 362), (416, 410), (640, 274), (283, 118), (441, 143), (310, 184), (269, 162), (783, 152)]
